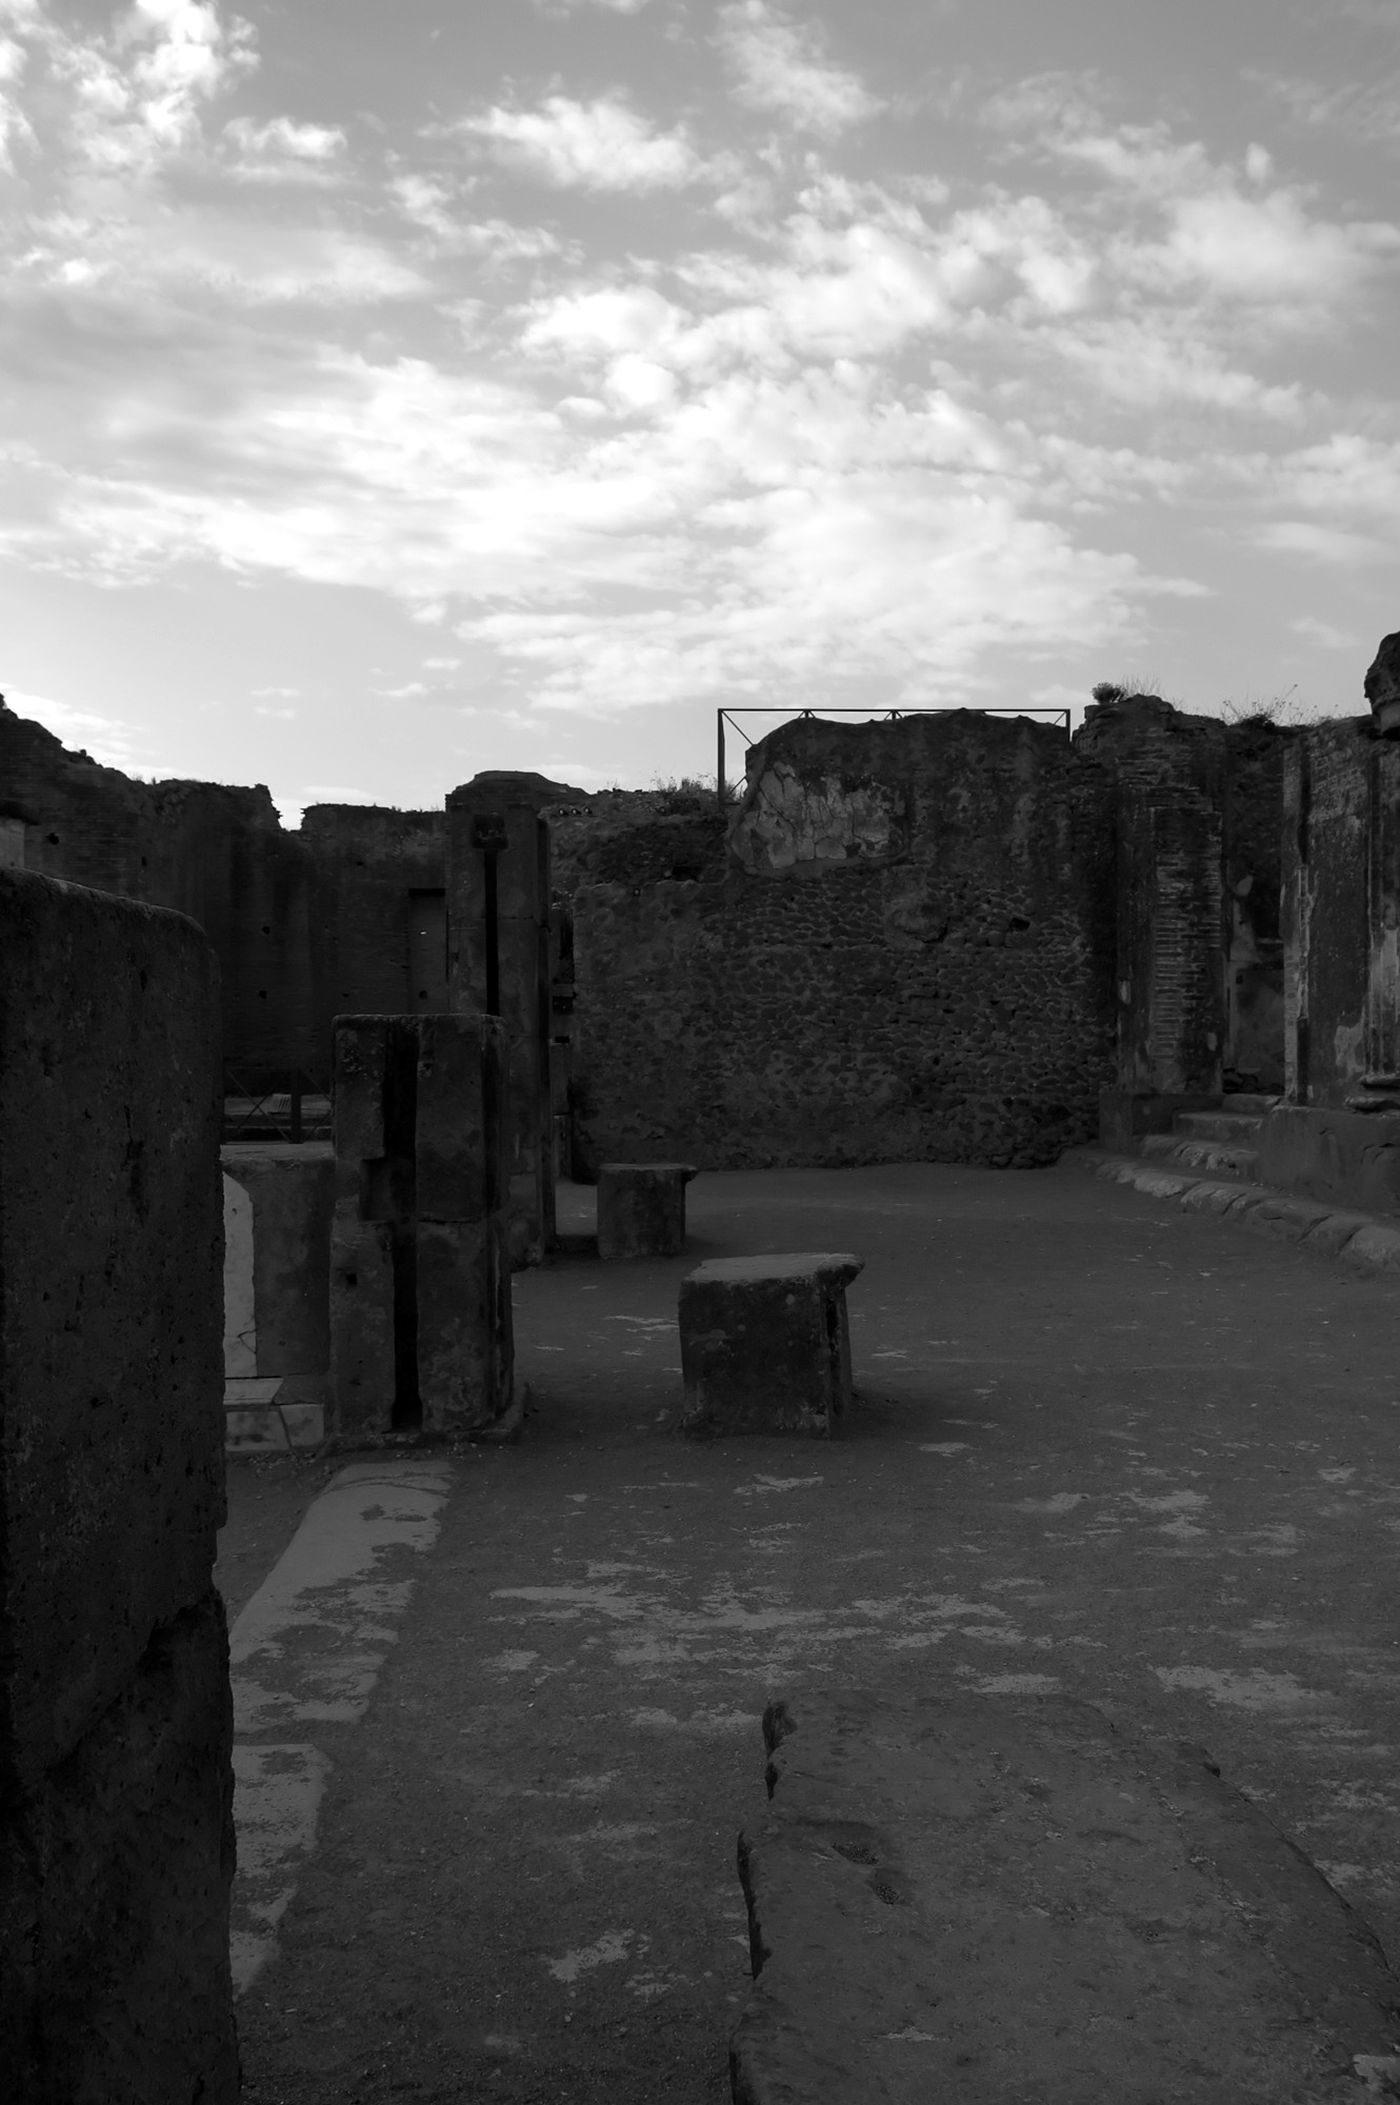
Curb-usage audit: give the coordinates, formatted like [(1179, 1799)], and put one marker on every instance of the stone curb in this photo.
[(1358, 1238)]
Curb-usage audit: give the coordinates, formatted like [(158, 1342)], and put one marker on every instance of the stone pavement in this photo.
[(1103, 1447)]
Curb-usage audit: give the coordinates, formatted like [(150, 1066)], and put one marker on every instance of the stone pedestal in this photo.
[(641, 1208), (764, 1343), (421, 1337)]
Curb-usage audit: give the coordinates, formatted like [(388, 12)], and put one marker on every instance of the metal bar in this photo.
[(719, 767)]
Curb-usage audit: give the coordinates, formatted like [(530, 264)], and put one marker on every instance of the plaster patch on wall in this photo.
[(792, 819)]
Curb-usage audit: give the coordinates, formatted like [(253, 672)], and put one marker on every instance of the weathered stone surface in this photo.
[(499, 899), (290, 1191), (1000, 1898), (362, 1325), (115, 1783), (765, 1345), (111, 1351), (460, 1090), (1342, 1158), (641, 1208), (465, 1340), (421, 1340), (115, 1877)]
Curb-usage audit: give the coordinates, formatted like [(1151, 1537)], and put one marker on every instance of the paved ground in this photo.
[(1106, 1446)]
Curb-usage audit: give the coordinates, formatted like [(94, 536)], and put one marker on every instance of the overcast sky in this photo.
[(392, 391)]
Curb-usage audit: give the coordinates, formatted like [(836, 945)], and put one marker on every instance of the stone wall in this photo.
[(116, 1837), (903, 960)]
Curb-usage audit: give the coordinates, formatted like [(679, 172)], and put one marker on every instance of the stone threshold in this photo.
[(1359, 1239)]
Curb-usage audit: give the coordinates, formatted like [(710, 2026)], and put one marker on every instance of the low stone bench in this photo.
[(641, 1208), (988, 1898), (765, 1346)]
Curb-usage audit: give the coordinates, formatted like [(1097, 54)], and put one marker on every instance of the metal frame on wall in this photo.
[(727, 716)]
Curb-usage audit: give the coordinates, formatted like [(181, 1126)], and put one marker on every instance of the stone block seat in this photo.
[(641, 1208), (765, 1346)]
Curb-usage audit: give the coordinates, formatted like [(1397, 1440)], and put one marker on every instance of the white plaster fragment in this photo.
[(611, 1948)]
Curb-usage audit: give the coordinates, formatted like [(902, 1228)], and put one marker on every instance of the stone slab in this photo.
[(111, 1346), (1004, 1901)]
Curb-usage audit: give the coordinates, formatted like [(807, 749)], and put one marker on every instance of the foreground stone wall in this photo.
[(905, 959), (116, 1836)]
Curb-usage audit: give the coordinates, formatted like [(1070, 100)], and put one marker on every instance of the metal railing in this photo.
[(294, 1106), (727, 715)]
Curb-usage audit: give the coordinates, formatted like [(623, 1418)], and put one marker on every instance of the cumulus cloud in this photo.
[(780, 67), (282, 150), (598, 145)]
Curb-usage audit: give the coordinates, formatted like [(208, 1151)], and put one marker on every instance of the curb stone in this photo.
[(1358, 1238)]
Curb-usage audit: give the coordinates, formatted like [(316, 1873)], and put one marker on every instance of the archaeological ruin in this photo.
[(952, 937)]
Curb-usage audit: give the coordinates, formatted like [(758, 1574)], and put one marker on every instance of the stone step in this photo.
[(1217, 1125), (1222, 1158), (1248, 1100)]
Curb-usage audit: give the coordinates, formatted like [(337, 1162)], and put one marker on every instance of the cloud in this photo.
[(108, 739), (1321, 544), (1269, 248), (598, 145), (281, 150), (1322, 633), (780, 67)]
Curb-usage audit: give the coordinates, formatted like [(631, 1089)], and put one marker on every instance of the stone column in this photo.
[(498, 950), (421, 1336)]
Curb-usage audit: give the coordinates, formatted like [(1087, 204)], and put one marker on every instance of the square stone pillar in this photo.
[(498, 953), (421, 1337)]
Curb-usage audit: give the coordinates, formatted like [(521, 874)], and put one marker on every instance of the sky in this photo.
[(389, 392)]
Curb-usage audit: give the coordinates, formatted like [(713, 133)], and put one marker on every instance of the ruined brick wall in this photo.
[(116, 1834), (305, 925), (904, 960)]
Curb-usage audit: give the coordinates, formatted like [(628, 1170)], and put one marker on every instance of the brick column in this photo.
[(1172, 943), (498, 950)]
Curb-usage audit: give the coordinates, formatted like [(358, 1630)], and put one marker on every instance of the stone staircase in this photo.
[(1217, 1143)]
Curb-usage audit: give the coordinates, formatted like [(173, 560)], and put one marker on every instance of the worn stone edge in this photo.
[(1329, 1231)]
